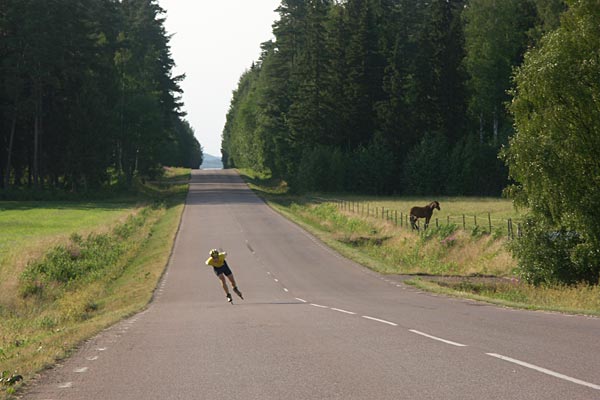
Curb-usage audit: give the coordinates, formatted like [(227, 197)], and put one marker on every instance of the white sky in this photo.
[(214, 42)]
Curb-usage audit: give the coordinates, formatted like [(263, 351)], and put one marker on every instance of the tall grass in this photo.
[(388, 248), (575, 299)]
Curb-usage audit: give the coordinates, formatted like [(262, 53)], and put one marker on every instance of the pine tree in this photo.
[(308, 117), (364, 74), (148, 90), (496, 38)]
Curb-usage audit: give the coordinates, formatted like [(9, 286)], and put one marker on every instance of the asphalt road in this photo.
[(314, 325)]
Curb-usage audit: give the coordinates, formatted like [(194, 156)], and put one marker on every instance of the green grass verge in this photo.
[(472, 262), (579, 299)]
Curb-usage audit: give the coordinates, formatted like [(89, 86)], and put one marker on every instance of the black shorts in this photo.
[(222, 270)]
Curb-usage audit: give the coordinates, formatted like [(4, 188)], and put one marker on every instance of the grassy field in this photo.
[(466, 213), (115, 253), (450, 258), (28, 229)]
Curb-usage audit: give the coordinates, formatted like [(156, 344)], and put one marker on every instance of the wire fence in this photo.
[(484, 222)]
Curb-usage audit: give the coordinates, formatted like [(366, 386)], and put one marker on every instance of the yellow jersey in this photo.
[(217, 262)]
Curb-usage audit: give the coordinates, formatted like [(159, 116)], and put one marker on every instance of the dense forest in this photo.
[(87, 95), (385, 96), (437, 97)]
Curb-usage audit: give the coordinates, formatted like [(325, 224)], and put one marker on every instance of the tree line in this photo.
[(385, 96), (87, 95), (467, 97)]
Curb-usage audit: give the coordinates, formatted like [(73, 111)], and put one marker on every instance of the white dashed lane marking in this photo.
[(343, 311), (437, 338), (380, 320), (545, 371)]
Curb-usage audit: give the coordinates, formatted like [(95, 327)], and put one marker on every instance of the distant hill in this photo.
[(211, 162)]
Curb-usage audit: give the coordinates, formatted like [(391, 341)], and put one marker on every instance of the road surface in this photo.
[(314, 325)]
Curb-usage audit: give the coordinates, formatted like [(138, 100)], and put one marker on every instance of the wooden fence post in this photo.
[(490, 222)]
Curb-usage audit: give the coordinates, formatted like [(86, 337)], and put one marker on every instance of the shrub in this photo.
[(321, 168), (80, 258), (474, 169), (554, 256), (372, 168), (442, 231), (425, 169)]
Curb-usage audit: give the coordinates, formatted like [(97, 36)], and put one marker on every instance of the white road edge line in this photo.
[(302, 300), (343, 311), (318, 305), (380, 320), (545, 371), (437, 338)]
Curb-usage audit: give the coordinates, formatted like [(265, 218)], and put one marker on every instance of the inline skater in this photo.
[(217, 261)]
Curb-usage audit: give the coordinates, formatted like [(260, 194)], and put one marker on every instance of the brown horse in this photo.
[(422, 212)]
